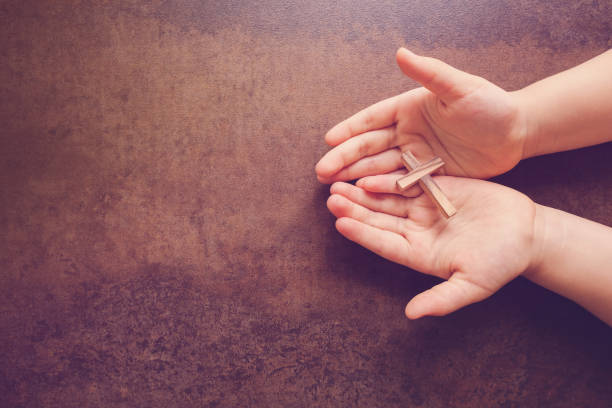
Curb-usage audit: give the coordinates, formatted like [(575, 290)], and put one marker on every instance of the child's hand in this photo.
[(477, 128), (485, 245)]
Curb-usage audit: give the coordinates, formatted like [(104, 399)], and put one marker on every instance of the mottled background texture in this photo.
[(164, 241)]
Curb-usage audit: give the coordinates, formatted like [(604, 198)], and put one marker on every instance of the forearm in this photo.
[(569, 110), (573, 257)]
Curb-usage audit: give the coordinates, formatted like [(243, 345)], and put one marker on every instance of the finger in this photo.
[(383, 162), (387, 244), (387, 183), (445, 298), (341, 206), (355, 148), (447, 82), (377, 116), (383, 203)]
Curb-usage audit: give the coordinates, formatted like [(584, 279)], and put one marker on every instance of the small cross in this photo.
[(421, 173)]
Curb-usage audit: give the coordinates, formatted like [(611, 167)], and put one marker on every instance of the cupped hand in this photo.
[(477, 128), (485, 245)]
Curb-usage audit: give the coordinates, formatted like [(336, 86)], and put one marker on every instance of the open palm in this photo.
[(476, 127), (480, 249)]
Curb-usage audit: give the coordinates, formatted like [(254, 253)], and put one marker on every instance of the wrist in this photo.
[(527, 127), (540, 237)]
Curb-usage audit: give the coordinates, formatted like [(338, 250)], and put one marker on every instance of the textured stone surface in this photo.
[(165, 242)]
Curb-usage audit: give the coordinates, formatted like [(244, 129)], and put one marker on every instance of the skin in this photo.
[(497, 234), (479, 130), (476, 127), (480, 249), (569, 110)]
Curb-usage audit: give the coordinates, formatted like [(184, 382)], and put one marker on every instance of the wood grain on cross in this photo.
[(421, 173)]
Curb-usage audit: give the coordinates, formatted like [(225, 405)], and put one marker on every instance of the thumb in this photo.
[(445, 298), (447, 82)]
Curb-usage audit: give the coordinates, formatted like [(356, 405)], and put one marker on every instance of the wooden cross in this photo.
[(421, 173)]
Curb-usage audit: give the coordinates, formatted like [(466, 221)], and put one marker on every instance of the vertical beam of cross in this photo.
[(421, 173)]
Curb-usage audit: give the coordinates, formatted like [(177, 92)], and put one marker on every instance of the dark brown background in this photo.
[(164, 240)]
